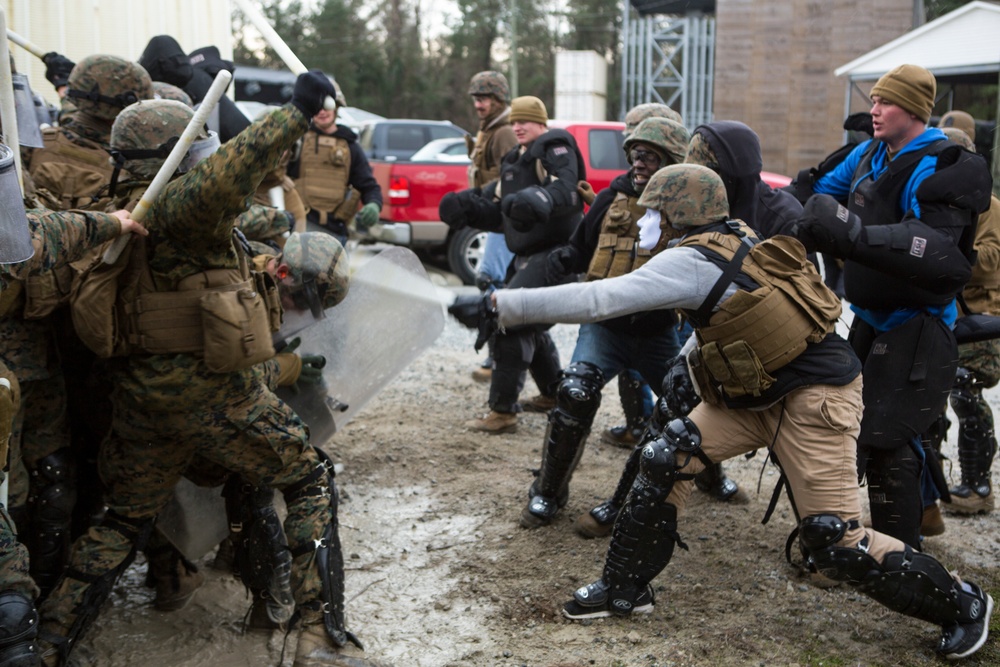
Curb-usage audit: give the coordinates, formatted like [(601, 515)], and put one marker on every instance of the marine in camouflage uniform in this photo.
[(770, 371), (604, 245), (979, 363), (170, 407), (491, 98), (41, 492)]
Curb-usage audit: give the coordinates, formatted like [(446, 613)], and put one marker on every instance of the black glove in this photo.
[(311, 90), (528, 207), (826, 226), (476, 312), (560, 263), (57, 68), (453, 210), (678, 389)]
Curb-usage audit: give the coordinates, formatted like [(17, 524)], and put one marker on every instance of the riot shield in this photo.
[(29, 134), (194, 520), (392, 313)]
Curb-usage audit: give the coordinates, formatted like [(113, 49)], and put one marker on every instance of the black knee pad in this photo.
[(579, 393), (819, 535), (18, 629)]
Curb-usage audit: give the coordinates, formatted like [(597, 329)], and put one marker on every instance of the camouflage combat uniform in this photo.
[(13, 555), (168, 408)]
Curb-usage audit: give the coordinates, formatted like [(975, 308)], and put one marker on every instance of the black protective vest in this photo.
[(521, 171), (876, 202)]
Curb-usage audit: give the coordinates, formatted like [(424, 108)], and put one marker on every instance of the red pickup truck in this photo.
[(412, 189)]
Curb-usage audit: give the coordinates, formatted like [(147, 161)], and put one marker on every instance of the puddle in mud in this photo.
[(402, 600)]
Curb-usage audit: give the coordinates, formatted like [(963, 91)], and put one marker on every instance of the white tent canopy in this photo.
[(965, 41)]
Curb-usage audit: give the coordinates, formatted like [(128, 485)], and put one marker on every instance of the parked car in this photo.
[(412, 190), (451, 149), (399, 139)]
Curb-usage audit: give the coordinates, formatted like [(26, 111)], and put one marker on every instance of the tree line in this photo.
[(389, 59)]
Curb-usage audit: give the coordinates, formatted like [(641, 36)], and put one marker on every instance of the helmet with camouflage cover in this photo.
[(667, 137), (687, 195), (701, 152), (490, 83), (103, 85), (168, 91), (143, 135), (339, 97), (317, 273), (639, 113)]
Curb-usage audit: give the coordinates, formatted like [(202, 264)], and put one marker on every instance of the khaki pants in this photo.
[(813, 433)]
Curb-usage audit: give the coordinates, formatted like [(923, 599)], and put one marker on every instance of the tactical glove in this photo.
[(528, 207), (312, 368), (57, 68), (826, 226), (586, 192), (311, 90), (454, 208), (678, 389), (367, 216), (560, 263), (476, 312)]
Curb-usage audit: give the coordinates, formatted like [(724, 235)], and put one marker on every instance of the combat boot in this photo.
[(966, 500), (622, 436), (931, 523), (598, 522), (714, 481), (494, 423), (316, 649), (176, 585), (539, 403)]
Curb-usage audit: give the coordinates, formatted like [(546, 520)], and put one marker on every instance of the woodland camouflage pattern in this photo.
[(686, 195), (669, 136), (112, 77), (320, 257), (166, 91), (700, 152), (490, 83), (13, 555), (639, 113), (148, 125)]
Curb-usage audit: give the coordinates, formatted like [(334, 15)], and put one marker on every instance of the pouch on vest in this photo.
[(737, 368), (347, 208), (46, 292), (94, 308), (704, 385), (237, 329), (269, 290)]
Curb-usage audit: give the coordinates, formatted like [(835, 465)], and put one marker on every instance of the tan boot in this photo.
[(969, 503), (494, 423), (931, 523), (483, 375), (316, 649), (539, 403)]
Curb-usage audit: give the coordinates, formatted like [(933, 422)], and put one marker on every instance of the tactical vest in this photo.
[(758, 331), (72, 172), (876, 202), (618, 250), (522, 170), (480, 172), (324, 169), (225, 316)]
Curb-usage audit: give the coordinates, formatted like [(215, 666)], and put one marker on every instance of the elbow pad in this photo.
[(916, 252)]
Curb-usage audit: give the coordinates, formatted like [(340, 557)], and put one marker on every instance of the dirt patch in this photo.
[(439, 574)]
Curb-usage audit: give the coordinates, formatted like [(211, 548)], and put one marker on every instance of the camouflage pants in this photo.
[(260, 438), (39, 430), (13, 558), (982, 359)]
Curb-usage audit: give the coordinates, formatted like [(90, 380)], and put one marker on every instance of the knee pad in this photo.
[(18, 629), (663, 458), (819, 535), (579, 393)]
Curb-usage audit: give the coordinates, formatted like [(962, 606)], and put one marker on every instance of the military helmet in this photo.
[(103, 85), (639, 113), (668, 137), (144, 133), (490, 83), (168, 91), (318, 269), (701, 152), (959, 137), (687, 195)]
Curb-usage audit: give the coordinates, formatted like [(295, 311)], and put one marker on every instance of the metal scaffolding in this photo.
[(669, 59)]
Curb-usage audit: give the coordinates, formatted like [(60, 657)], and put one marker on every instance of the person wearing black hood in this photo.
[(732, 150)]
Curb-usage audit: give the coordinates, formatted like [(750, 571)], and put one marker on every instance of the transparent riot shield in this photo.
[(392, 313)]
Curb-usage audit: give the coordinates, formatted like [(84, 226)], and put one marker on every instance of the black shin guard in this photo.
[(630, 389), (51, 504), (18, 629), (261, 558), (329, 557), (976, 440), (577, 400)]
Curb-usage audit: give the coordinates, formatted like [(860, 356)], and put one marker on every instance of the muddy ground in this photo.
[(440, 575)]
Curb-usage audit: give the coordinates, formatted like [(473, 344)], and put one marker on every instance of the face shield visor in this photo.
[(15, 237)]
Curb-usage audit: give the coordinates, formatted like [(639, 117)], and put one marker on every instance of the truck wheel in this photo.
[(465, 253)]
